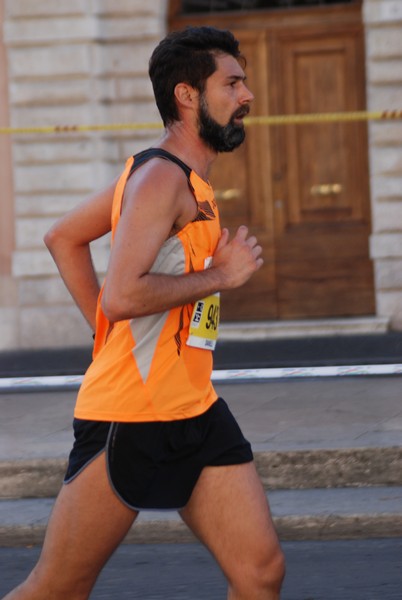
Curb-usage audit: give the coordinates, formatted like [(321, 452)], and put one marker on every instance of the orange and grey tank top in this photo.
[(142, 368)]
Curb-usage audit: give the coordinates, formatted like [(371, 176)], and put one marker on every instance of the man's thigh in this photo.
[(87, 523), (229, 513)]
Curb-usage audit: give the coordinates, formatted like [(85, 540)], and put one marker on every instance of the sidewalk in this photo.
[(329, 451), (280, 415)]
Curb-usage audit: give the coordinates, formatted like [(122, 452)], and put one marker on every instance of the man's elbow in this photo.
[(116, 307), (50, 238), (54, 238), (110, 310)]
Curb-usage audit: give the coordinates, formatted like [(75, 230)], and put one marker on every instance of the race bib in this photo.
[(204, 323)]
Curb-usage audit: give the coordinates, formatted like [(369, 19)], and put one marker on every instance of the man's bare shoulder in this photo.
[(157, 175), (161, 186)]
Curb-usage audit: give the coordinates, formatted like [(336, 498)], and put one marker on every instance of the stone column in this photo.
[(383, 20), (8, 288)]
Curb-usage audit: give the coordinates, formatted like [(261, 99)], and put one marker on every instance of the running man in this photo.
[(150, 431)]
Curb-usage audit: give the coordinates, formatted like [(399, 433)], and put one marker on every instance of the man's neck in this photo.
[(185, 143)]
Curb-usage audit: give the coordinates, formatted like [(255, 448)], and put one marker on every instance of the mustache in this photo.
[(241, 112)]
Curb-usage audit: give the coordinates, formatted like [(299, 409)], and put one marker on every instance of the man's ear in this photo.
[(185, 95)]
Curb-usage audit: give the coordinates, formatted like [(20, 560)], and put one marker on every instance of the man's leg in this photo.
[(229, 513), (87, 524)]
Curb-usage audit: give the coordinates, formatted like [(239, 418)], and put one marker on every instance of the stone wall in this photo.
[(383, 20), (85, 62), (76, 62)]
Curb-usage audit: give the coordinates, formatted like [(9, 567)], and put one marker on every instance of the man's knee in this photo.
[(274, 570), (261, 576)]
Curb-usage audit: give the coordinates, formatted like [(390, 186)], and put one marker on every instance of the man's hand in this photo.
[(237, 259)]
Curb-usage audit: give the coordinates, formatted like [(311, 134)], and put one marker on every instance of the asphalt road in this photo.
[(283, 352), (336, 570)]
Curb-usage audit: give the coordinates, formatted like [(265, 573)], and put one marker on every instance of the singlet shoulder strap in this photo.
[(145, 155)]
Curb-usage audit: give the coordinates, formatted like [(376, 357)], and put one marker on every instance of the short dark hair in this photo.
[(187, 56)]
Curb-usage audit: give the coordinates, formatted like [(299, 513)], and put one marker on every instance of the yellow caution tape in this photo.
[(267, 120), (78, 128), (324, 117)]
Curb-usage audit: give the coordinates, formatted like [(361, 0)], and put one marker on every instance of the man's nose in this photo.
[(247, 95)]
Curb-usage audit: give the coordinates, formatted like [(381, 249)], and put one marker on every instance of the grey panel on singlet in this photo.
[(146, 330)]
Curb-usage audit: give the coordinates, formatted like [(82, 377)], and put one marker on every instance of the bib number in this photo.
[(204, 323)]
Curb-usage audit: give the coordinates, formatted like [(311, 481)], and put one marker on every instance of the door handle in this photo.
[(229, 194), (326, 189)]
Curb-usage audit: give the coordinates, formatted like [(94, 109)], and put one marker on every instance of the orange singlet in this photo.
[(143, 369)]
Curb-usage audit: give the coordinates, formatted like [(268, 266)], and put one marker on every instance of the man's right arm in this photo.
[(155, 200)]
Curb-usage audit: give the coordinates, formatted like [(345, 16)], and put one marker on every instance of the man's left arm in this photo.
[(69, 244)]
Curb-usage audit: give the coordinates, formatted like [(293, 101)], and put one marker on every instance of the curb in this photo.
[(291, 528), (38, 478), (350, 467), (309, 514)]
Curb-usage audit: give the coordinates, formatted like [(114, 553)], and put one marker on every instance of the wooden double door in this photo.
[(301, 189)]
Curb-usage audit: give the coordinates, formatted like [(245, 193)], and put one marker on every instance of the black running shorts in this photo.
[(155, 465)]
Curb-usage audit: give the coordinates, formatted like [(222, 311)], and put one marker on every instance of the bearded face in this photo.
[(221, 138)]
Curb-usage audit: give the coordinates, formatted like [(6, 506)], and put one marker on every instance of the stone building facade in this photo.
[(77, 62), (85, 62)]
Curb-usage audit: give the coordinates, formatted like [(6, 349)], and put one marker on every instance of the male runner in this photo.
[(150, 430)]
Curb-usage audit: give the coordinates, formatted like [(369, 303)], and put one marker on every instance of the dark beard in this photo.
[(221, 138)]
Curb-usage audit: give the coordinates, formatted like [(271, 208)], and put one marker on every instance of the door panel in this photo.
[(324, 203), (324, 158), (330, 294)]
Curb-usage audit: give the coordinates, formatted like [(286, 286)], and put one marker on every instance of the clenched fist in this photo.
[(237, 259)]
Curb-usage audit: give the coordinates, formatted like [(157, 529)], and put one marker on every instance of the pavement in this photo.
[(328, 450)]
